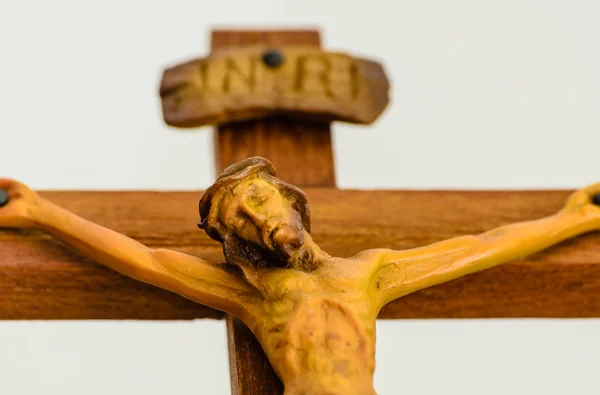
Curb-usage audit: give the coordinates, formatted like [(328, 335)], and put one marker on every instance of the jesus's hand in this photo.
[(586, 202), (16, 209)]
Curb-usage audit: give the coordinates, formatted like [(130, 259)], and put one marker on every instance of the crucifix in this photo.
[(313, 313)]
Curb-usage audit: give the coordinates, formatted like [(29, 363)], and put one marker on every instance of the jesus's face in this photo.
[(256, 211)]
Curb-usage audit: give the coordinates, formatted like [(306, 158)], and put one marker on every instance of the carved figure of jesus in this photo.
[(314, 314)]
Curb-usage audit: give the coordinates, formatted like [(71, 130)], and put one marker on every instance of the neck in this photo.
[(308, 257)]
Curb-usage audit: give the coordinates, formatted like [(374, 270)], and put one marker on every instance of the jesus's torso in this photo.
[(318, 331)]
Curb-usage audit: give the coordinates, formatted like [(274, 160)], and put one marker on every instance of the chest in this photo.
[(291, 296), (319, 335), (336, 277)]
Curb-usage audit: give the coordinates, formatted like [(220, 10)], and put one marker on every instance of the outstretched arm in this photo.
[(191, 277), (403, 272)]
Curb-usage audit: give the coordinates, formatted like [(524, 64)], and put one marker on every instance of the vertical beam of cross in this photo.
[(302, 154)]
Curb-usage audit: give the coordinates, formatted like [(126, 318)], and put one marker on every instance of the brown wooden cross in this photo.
[(42, 279)]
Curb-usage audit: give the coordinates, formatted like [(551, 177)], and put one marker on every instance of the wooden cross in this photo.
[(44, 280)]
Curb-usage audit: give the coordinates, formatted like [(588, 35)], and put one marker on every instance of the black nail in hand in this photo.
[(3, 198)]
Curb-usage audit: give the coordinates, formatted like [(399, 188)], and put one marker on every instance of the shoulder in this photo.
[(368, 261), (374, 254), (191, 268)]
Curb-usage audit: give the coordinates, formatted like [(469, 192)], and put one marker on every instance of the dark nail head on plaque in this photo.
[(3, 198), (272, 58), (596, 199)]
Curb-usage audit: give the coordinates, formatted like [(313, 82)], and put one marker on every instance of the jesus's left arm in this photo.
[(403, 272)]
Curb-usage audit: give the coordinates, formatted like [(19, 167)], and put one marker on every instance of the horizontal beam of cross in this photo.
[(42, 279)]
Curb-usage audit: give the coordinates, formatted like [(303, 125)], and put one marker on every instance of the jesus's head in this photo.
[(258, 218)]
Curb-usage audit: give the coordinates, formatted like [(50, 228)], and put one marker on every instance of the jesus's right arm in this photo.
[(197, 279)]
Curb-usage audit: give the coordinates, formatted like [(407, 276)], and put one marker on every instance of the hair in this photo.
[(234, 247)]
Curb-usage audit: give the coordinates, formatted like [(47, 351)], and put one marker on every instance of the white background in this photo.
[(486, 95)]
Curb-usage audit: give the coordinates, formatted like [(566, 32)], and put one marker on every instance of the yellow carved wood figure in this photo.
[(314, 314)]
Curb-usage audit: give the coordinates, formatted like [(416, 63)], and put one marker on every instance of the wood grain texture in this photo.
[(288, 145), (41, 279), (237, 85), (301, 151)]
